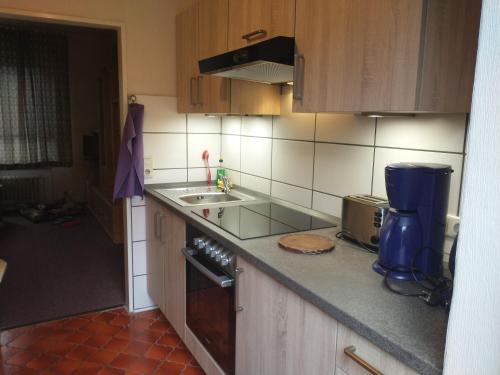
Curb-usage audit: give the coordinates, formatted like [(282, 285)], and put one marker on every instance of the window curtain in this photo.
[(35, 127)]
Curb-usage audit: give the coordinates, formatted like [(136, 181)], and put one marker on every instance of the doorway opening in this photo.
[(61, 234)]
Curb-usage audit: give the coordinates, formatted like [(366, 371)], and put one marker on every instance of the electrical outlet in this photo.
[(148, 167), (452, 225)]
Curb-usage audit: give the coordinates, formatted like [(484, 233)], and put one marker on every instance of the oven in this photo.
[(210, 299)]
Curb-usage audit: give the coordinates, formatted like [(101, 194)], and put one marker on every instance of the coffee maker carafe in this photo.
[(412, 236)]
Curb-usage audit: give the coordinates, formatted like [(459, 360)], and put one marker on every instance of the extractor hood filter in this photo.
[(270, 61)]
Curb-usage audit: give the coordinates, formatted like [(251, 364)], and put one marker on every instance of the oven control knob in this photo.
[(215, 252), (199, 242), (224, 258), (219, 255)]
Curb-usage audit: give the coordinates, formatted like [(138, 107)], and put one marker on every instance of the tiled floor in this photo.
[(109, 342)]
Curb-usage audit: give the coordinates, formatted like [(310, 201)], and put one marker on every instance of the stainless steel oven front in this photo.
[(210, 299)]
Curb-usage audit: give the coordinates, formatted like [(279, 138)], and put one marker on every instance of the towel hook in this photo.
[(132, 99)]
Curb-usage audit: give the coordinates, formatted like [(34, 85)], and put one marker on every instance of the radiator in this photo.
[(16, 190)]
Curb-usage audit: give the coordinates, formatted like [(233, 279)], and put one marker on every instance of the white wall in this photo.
[(473, 337)]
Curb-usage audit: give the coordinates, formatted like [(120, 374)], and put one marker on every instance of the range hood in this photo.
[(270, 61)]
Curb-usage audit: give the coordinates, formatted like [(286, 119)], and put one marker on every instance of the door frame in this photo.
[(120, 29)]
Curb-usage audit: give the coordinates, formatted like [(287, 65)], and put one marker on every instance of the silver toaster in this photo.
[(362, 218)]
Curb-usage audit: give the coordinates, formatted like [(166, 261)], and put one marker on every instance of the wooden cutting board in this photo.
[(306, 243)]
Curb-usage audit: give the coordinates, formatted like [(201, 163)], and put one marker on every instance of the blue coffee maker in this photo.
[(412, 235)]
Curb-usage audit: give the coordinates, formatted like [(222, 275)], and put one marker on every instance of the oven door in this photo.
[(210, 313)]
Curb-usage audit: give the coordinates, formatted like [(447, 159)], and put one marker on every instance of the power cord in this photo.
[(439, 293)]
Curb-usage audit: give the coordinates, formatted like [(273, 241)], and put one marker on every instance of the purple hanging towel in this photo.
[(129, 179)]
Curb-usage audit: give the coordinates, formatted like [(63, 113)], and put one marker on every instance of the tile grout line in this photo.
[(314, 158), (373, 157)]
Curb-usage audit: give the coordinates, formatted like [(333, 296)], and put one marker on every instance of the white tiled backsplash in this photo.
[(310, 159)]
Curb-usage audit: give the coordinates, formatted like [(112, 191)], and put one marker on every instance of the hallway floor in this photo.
[(108, 342), (54, 272)]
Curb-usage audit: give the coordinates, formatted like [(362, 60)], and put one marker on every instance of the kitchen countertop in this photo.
[(342, 284)]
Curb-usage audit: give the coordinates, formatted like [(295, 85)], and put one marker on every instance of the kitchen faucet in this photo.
[(226, 184)]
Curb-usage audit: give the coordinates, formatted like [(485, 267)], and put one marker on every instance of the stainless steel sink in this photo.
[(206, 198), (202, 195)]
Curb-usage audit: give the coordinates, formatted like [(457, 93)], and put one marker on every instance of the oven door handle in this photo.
[(222, 281)]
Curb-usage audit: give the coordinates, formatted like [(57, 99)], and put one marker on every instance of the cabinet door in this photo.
[(367, 352), (212, 40), (357, 55), (251, 21), (175, 272), (154, 254), (277, 332), (188, 94)]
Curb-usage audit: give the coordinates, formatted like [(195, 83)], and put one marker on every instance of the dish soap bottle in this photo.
[(220, 172)]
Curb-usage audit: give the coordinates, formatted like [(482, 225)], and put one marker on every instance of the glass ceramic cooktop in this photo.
[(261, 220)]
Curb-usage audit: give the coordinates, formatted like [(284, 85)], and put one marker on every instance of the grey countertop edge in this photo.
[(405, 356)]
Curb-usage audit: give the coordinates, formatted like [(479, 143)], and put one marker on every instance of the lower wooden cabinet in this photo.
[(175, 272), (166, 271), (367, 352), (278, 332)]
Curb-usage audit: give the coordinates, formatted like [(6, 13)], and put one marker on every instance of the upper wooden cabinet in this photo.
[(252, 21), (201, 31), (385, 55)]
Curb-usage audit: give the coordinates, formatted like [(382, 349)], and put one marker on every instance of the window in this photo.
[(35, 127)]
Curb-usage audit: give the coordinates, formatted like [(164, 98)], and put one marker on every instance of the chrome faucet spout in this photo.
[(226, 184)]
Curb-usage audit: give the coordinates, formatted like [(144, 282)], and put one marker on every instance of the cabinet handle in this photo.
[(257, 34), (350, 351), (198, 92), (237, 307), (161, 229), (191, 90), (298, 76), (156, 224)]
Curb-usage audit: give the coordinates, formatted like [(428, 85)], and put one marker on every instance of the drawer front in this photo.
[(365, 351)]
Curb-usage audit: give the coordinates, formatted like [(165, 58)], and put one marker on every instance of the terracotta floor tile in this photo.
[(74, 323), (111, 371), (116, 345), (149, 336), (60, 348), (78, 337), (125, 333), (106, 343), (21, 358), (150, 314), (88, 368), (137, 348), (169, 339), (141, 323), (42, 362), (8, 336), (170, 368), (81, 352), (102, 357), (65, 366), (105, 317), (193, 371), (160, 326), (98, 341), (180, 356), (120, 320), (100, 328), (123, 361), (24, 341), (158, 352), (144, 366)]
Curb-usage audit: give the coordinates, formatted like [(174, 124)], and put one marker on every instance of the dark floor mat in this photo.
[(53, 272)]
